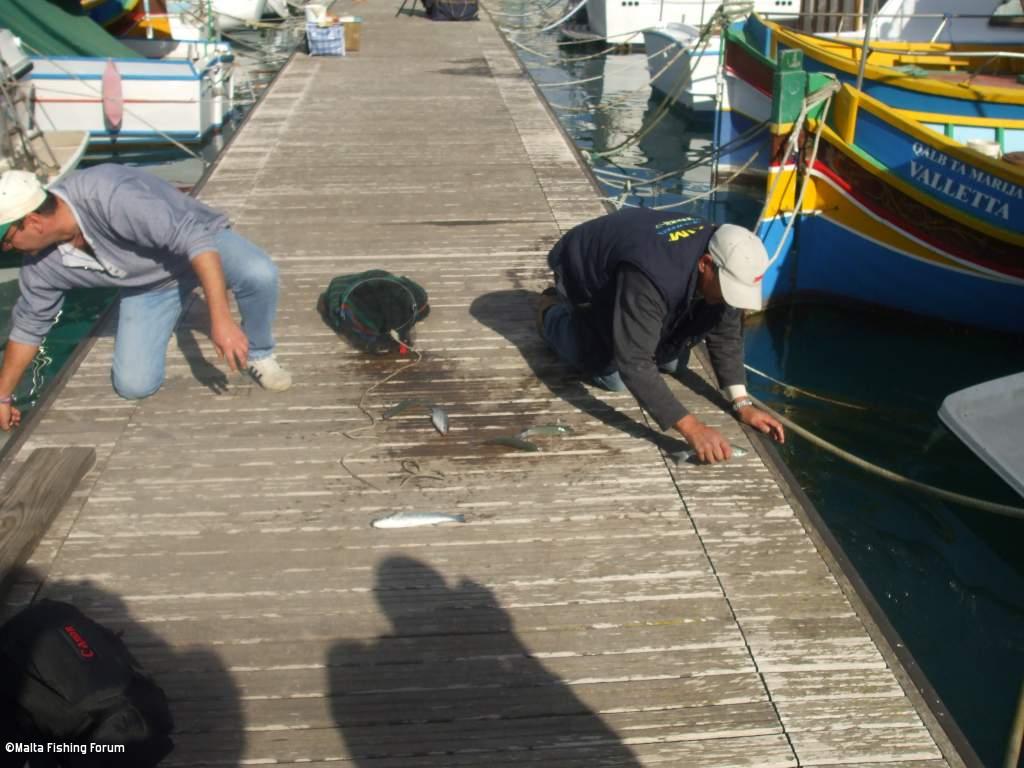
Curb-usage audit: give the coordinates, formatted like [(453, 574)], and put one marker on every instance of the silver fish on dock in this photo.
[(546, 430), (689, 456), (439, 418), (512, 441), (414, 519)]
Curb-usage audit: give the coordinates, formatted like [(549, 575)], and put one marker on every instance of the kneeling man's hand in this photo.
[(707, 443), (9, 416), (762, 422), (231, 343)]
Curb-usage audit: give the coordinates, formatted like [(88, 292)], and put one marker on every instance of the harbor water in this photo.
[(949, 578)]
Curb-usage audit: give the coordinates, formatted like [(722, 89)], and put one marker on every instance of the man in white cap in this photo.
[(114, 226), (636, 289)]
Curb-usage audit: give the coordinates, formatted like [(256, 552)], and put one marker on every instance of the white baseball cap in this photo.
[(20, 194), (741, 259)]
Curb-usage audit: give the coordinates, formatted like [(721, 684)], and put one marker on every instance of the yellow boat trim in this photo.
[(1014, 174), (980, 122), (819, 49)]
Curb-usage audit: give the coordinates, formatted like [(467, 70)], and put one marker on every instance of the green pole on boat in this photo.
[(867, 40), (788, 89)]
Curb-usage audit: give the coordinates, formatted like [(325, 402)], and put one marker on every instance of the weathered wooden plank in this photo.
[(34, 495)]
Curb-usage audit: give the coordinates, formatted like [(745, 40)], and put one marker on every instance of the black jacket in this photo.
[(632, 279)]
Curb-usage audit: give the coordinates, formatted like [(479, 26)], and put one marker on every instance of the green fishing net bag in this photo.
[(368, 307)]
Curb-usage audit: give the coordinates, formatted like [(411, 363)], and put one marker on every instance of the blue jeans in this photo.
[(147, 318), (562, 334)]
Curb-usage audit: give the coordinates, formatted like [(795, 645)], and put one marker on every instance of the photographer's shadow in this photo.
[(511, 314), (451, 677)]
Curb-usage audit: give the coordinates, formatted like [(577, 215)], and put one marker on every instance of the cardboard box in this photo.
[(353, 30)]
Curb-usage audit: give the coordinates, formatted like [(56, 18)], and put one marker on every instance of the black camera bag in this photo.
[(71, 681)]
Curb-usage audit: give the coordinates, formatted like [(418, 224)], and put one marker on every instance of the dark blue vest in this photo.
[(664, 246)]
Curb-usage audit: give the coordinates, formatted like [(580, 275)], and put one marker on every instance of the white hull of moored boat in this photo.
[(235, 14), (163, 99), (682, 67), (623, 21)]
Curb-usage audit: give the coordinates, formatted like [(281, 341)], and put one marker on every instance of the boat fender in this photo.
[(113, 97)]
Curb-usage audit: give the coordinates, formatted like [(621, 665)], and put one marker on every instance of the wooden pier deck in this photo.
[(598, 608)]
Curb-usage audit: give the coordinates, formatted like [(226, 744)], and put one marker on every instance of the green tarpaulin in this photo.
[(60, 28)]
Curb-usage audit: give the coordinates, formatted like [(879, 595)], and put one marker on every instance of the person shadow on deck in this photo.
[(204, 699), (451, 684)]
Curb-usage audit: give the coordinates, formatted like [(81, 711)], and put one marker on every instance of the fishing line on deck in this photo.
[(357, 433), (895, 477), (410, 467)]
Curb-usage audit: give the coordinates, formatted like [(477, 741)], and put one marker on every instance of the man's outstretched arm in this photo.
[(639, 318)]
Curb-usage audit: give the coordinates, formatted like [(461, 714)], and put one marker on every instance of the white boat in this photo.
[(989, 419), (279, 8), (180, 99), (683, 67), (624, 21), (228, 15)]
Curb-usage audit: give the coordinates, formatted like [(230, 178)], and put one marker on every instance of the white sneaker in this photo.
[(269, 374)]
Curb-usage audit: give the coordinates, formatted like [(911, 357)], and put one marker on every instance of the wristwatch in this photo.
[(740, 404)]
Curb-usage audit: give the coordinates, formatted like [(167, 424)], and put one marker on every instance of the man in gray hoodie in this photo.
[(115, 226)]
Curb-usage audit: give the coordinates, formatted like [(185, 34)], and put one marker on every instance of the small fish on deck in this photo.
[(546, 430), (688, 457), (414, 519), (439, 418), (512, 441)]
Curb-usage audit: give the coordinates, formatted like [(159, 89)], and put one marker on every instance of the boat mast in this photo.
[(867, 40)]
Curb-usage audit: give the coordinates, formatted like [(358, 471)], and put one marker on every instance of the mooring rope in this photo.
[(825, 94), (805, 392), (553, 61), (698, 48), (534, 12), (706, 158), (931, 490)]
